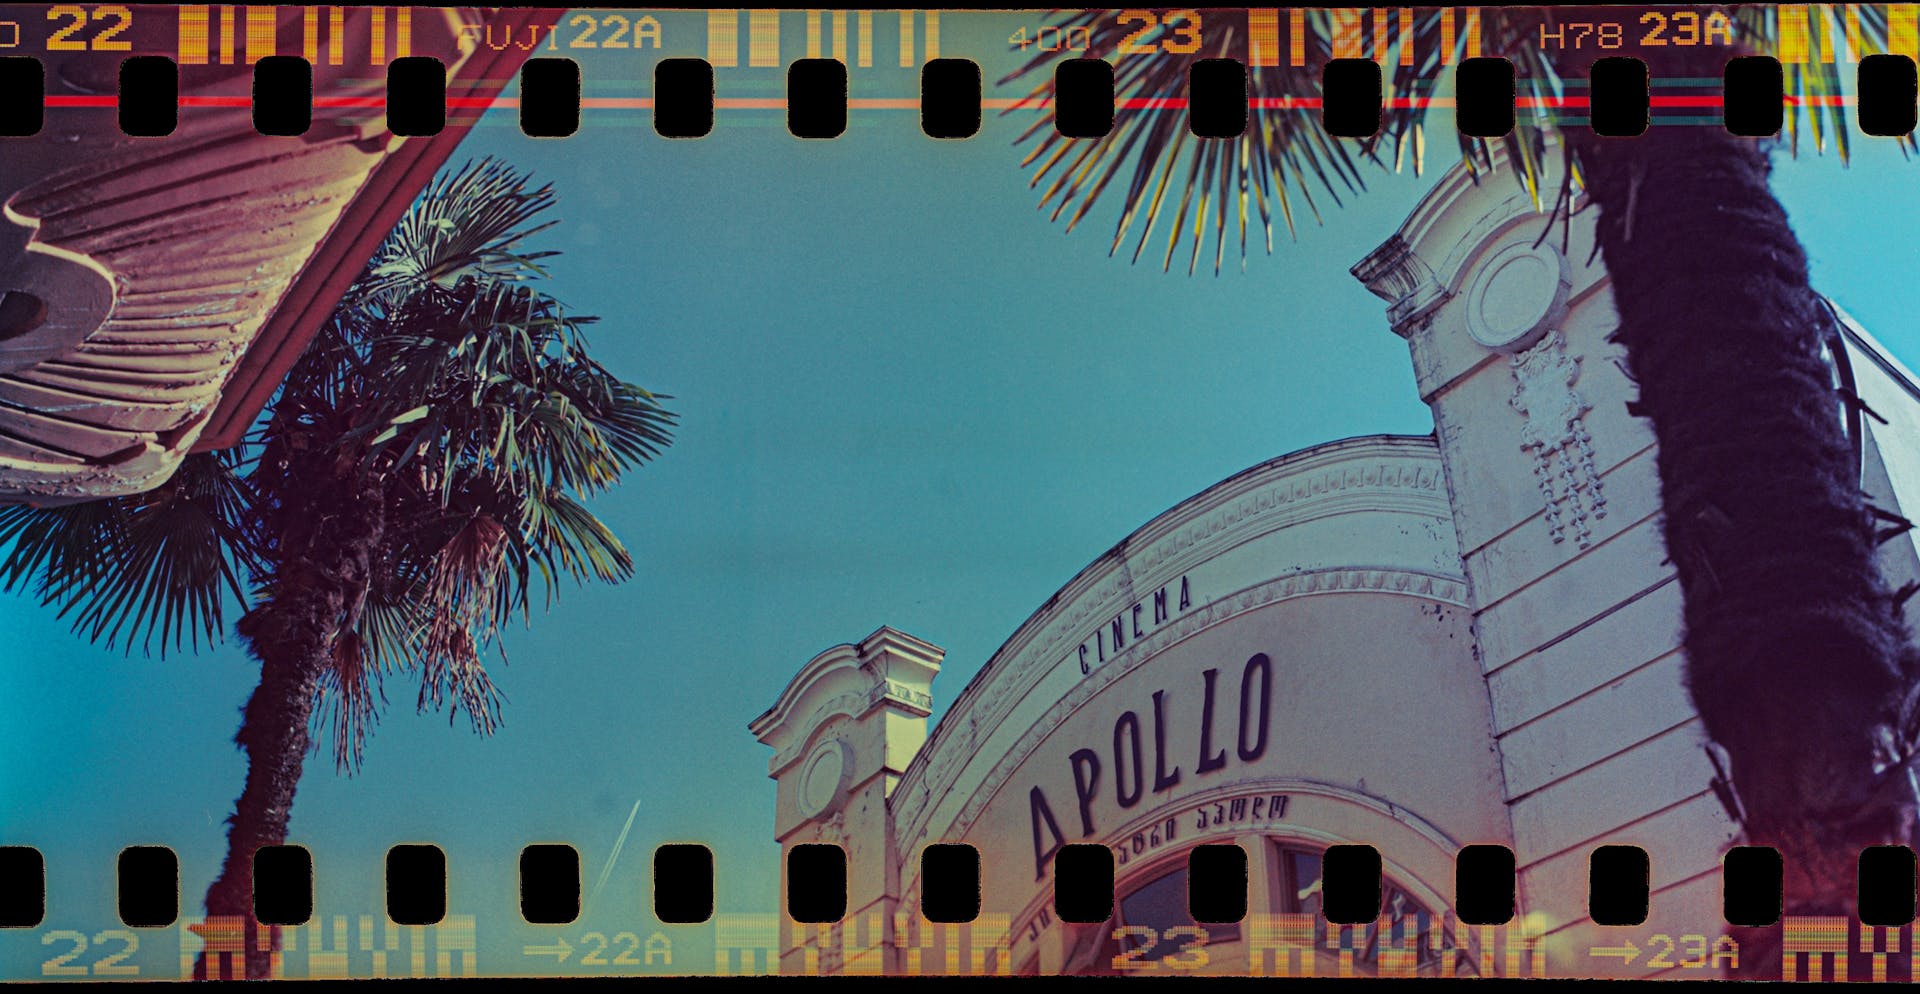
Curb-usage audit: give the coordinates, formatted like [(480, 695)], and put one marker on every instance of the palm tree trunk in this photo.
[(292, 634), (1797, 656)]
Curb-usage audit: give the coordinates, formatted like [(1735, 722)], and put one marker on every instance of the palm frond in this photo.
[(505, 382), (462, 598), (1818, 44), (447, 384), (351, 698), (53, 550), (566, 539), (1228, 186), (467, 224), (1286, 155), (153, 568)]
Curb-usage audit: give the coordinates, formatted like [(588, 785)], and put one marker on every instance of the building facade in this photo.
[(1415, 643)]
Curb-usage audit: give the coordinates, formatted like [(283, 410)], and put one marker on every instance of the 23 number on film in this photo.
[(1181, 34)]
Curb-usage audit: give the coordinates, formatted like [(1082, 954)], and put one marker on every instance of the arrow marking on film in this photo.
[(1627, 951), (562, 949)]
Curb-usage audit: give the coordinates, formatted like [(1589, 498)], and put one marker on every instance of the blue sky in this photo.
[(906, 399)]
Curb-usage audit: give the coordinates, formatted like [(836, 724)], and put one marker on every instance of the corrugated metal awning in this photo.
[(153, 291)]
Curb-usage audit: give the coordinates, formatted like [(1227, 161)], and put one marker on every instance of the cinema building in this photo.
[(1416, 643)]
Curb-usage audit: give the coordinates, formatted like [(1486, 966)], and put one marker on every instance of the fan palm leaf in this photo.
[(469, 223), (1286, 155), (157, 568)]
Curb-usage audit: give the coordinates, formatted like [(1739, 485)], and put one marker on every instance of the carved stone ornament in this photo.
[(1555, 431), (1517, 296), (824, 777)]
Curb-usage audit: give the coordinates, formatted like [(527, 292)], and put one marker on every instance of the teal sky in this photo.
[(906, 399)]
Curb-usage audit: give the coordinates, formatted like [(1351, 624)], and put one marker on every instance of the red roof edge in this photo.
[(365, 223)]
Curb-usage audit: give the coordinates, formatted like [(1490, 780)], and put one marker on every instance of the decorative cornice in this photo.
[(888, 667), (899, 693), (1395, 273)]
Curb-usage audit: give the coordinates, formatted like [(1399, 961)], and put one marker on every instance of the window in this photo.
[(1299, 892), (1159, 904)]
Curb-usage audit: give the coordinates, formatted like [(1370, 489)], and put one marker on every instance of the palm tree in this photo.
[(1797, 656), (426, 458)]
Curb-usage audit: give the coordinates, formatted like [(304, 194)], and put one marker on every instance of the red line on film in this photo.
[(1691, 100), (482, 103)]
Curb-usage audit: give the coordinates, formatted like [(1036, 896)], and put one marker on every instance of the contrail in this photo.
[(612, 857)]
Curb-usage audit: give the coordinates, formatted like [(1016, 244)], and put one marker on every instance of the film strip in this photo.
[(250, 303), (1618, 102), (1351, 893)]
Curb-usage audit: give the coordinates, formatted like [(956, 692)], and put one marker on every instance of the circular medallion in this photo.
[(1517, 297), (823, 778)]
